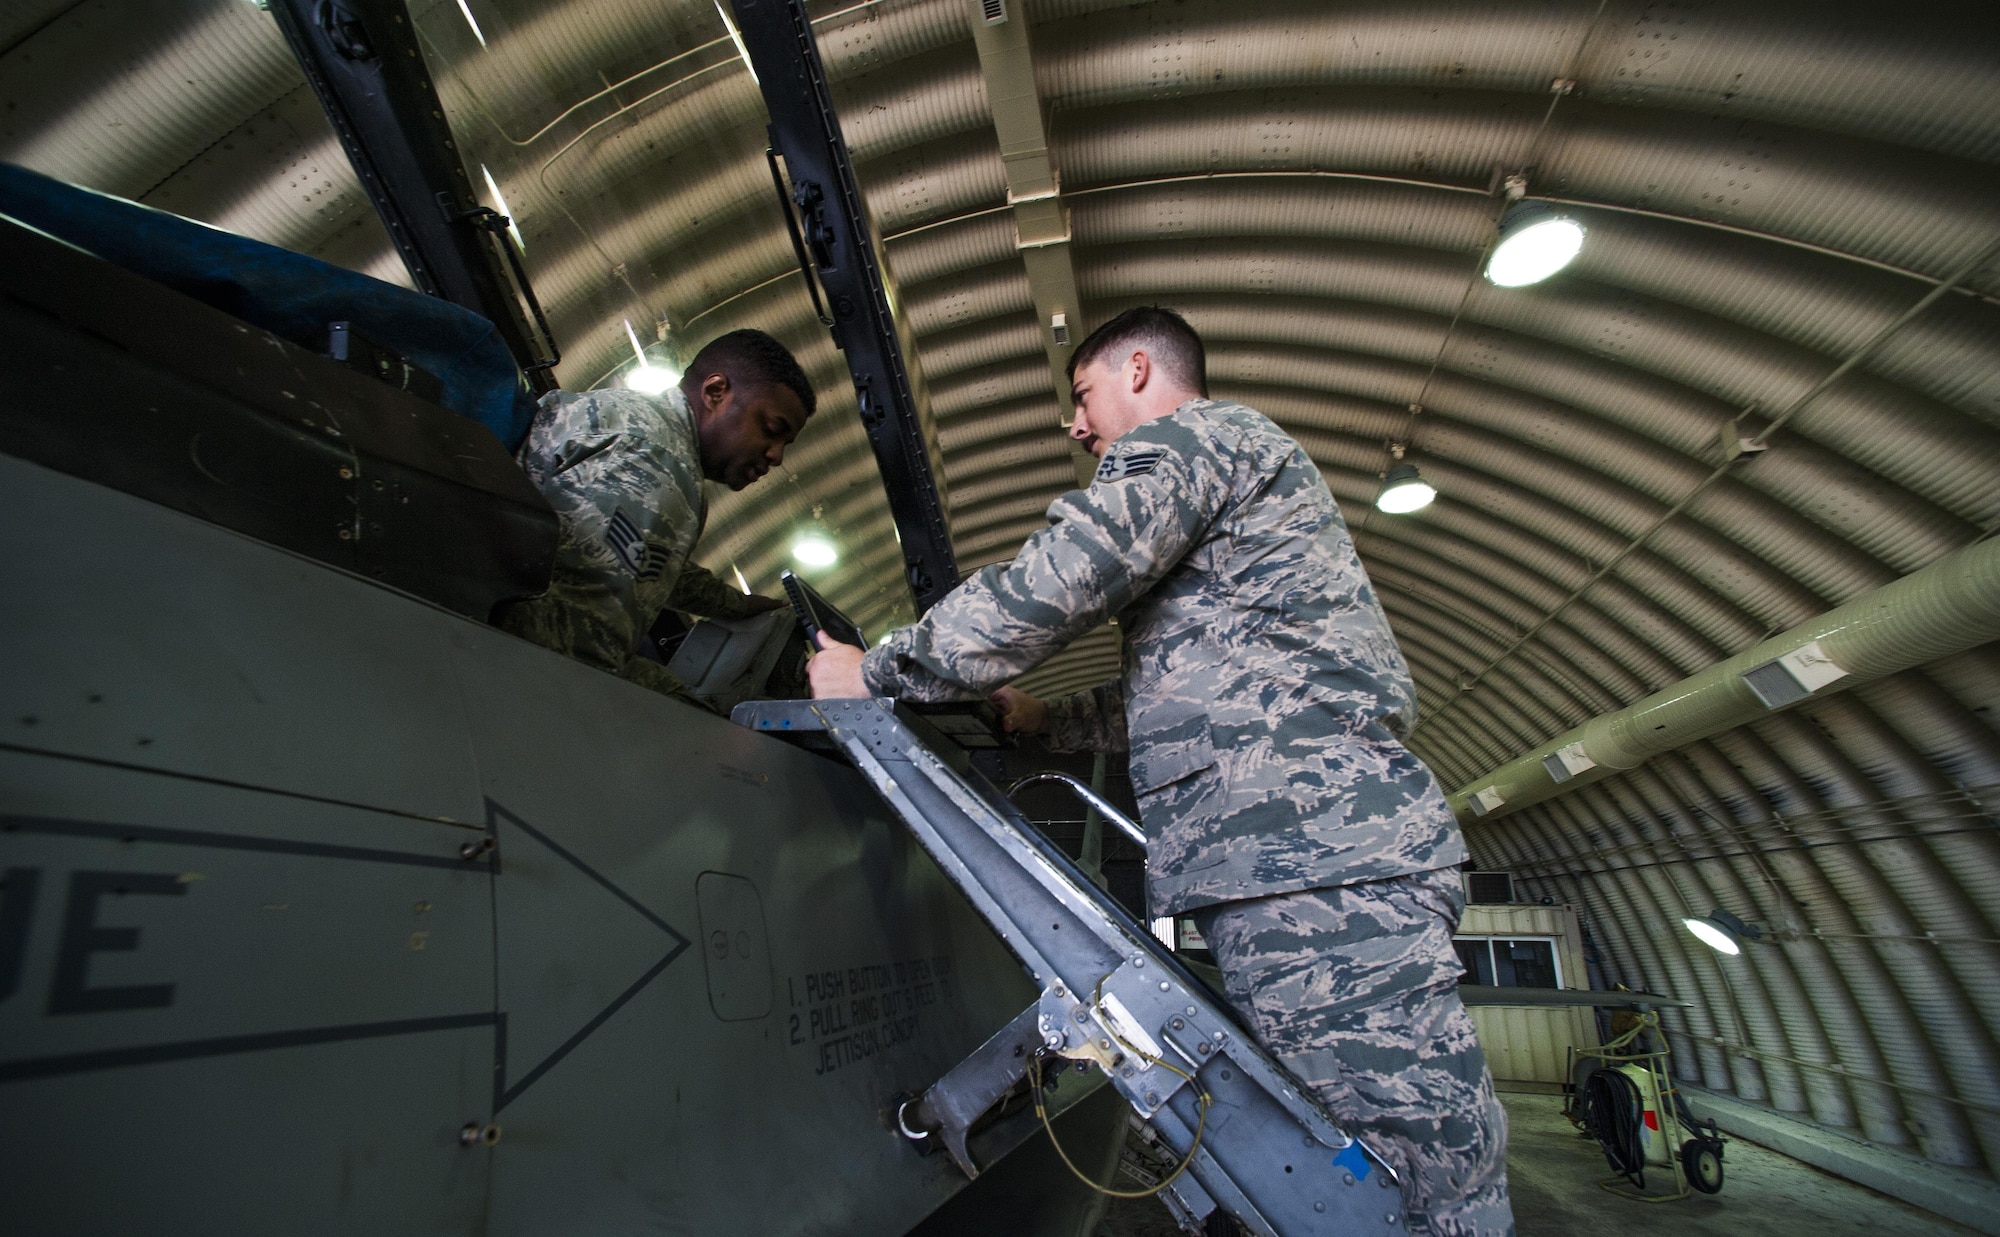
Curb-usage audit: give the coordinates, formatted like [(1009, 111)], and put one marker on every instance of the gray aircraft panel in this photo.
[(171, 1019), (862, 947), (243, 901), (131, 665), (683, 984), (344, 1138)]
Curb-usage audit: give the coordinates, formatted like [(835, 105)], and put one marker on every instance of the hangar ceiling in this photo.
[(1769, 189)]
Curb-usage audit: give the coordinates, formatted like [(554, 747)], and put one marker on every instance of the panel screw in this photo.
[(1153, 1098), (1177, 1024), (1347, 1178), (1322, 1206), (1165, 986), (1201, 1048)]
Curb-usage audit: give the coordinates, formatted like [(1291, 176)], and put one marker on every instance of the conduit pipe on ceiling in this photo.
[(1948, 607)]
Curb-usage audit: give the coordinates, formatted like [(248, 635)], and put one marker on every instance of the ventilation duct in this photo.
[(1948, 607)]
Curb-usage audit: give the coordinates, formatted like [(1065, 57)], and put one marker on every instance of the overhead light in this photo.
[(1403, 491), (736, 37), (645, 377), (650, 379), (1723, 932), (815, 549), (1535, 243), (466, 9)]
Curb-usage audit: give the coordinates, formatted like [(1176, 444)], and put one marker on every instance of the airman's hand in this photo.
[(1020, 713), (835, 671)]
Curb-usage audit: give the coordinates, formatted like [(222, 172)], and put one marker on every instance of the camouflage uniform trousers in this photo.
[(1353, 989)]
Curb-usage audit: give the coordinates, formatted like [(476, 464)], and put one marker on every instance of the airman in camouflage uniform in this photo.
[(1262, 701), (624, 472)]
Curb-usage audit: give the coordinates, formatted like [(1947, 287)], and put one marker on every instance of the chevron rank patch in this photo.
[(1137, 464), (622, 534)]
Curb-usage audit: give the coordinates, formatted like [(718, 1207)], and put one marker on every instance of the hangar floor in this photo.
[(1554, 1175)]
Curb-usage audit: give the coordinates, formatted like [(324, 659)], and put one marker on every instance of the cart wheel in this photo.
[(1702, 1161)]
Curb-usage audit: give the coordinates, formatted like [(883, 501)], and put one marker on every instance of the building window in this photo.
[(1508, 962)]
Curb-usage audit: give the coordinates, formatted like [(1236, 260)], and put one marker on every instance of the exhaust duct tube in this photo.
[(1948, 607)]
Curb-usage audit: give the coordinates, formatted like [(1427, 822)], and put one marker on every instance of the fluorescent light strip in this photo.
[(499, 201), (734, 37), (479, 34)]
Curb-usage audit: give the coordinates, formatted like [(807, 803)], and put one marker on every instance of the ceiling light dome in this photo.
[(1404, 491), (1722, 931), (650, 379), (813, 548), (1535, 243)]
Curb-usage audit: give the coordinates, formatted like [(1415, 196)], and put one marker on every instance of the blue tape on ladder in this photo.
[(1354, 1160)]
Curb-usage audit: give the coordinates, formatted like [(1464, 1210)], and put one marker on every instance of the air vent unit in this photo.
[(1488, 888), (994, 11), (1794, 676), (1566, 762)]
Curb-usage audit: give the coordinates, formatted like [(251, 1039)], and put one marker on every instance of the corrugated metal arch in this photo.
[(1774, 184)]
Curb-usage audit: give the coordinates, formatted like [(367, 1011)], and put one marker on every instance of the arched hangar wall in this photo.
[(1769, 187)]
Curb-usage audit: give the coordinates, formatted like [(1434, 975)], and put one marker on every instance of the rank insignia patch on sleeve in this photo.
[(629, 544), (1137, 464)]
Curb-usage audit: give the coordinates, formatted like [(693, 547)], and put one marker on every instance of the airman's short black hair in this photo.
[(752, 359)]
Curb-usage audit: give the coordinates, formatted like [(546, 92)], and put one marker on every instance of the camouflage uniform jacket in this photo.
[(623, 472), (1262, 690)]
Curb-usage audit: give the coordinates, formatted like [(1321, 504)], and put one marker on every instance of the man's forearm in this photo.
[(697, 590)]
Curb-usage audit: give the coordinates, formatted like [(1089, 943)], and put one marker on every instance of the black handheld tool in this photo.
[(817, 614)]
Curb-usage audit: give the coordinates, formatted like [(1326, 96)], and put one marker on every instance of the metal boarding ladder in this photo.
[(1255, 1147)]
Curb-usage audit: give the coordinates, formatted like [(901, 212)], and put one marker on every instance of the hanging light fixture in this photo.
[(650, 379), (645, 377), (1535, 243), (1404, 491), (813, 548), (1722, 931)]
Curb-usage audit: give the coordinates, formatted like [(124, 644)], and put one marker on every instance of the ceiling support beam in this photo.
[(1034, 191)]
